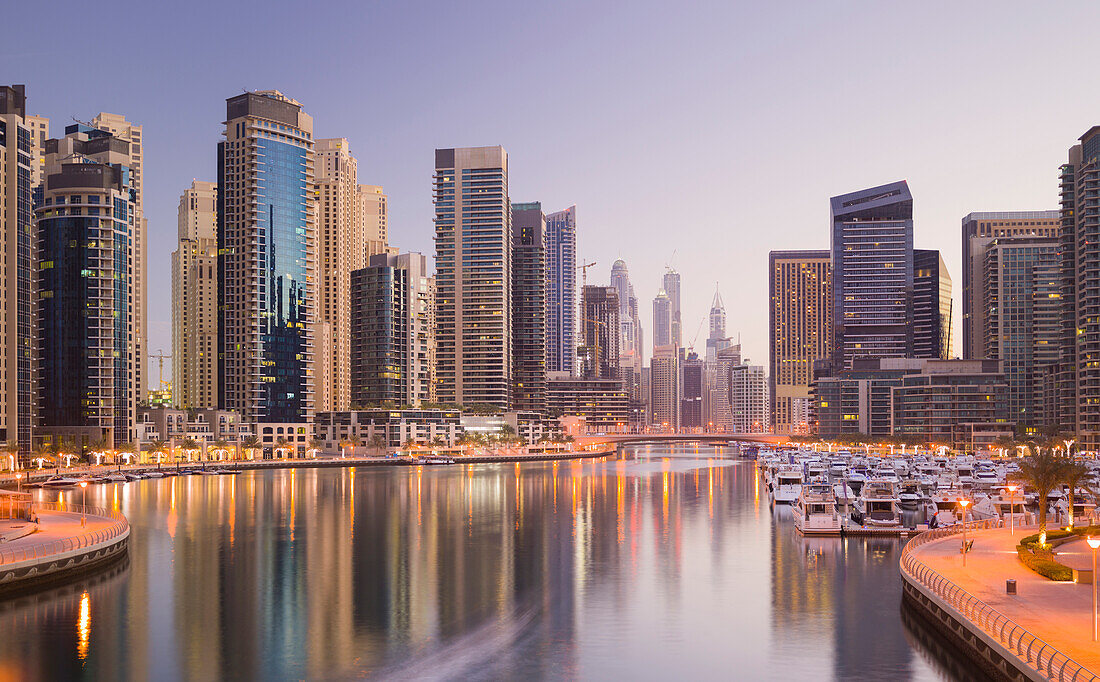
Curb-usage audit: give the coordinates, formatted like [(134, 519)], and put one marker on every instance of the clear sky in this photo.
[(715, 129)]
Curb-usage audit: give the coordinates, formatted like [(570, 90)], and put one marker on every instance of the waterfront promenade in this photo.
[(1043, 613)]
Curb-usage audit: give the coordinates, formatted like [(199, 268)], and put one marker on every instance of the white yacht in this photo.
[(877, 505), (814, 511), (788, 485)]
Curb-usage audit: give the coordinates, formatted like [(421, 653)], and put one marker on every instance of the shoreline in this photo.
[(36, 476)]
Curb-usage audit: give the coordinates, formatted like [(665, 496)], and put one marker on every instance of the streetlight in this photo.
[(83, 503), (18, 483), (1095, 544), (964, 504), (1011, 510)]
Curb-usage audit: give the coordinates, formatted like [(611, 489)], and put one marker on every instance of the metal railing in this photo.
[(1037, 654), (85, 540)]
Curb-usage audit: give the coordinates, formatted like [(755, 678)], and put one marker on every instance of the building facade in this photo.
[(195, 299), (86, 348), (662, 321), (602, 402), (267, 262), (933, 310), (872, 274), (670, 283), (530, 303), (561, 239), (373, 216), (664, 388), (473, 236), (691, 393), (748, 398), (799, 332), (600, 322)]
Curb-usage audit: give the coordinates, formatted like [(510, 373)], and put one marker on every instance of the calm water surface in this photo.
[(664, 563)]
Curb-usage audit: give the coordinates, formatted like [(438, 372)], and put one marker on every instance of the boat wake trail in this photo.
[(471, 655)]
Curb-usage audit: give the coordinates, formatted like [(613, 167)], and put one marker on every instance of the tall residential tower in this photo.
[(195, 299)]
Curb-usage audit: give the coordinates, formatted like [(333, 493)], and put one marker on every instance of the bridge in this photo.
[(715, 438)]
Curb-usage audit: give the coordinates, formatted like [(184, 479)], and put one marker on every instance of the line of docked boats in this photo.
[(844, 492), (67, 481)]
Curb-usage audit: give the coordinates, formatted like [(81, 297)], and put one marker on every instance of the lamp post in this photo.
[(1011, 510), (19, 483), (964, 504), (83, 503), (1094, 543)]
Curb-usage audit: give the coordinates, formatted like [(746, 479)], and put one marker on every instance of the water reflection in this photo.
[(655, 564)]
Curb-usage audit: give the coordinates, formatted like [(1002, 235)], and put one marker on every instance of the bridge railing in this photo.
[(1039, 655), (117, 529)]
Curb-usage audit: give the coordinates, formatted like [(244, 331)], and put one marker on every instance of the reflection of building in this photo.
[(195, 298), (267, 262), (86, 298), (529, 307), (473, 256), (799, 330)]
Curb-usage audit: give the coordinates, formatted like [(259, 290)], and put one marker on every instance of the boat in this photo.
[(788, 485), (910, 497), (116, 478), (877, 505), (61, 482), (815, 511)]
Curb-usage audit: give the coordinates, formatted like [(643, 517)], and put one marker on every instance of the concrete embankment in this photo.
[(61, 543), (1042, 632)]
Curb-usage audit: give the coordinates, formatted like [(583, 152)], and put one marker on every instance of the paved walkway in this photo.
[(53, 526), (1059, 613)]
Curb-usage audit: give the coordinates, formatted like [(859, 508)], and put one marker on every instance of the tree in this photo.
[(158, 447), (11, 448), (221, 445), (377, 441), (1042, 473), (1074, 475), (313, 445), (250, 444), (282, 444)]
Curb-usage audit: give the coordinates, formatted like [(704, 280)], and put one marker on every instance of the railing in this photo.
[(42, 550), (1039, 655)]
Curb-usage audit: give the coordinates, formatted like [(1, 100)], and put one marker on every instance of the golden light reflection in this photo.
[(419, 473), (351, 506), (84, 627)]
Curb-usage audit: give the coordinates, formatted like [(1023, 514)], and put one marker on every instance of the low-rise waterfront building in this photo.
[(602, 402), (202, 425), (388, 429)]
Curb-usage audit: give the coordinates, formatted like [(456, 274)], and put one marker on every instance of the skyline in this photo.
[(978, 151)]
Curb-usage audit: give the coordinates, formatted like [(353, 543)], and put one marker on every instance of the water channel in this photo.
[(662, 563)]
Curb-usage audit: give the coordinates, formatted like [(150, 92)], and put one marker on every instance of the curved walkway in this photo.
[(1047, 625)]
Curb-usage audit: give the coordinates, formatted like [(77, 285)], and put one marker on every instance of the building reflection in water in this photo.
[(656, 563)]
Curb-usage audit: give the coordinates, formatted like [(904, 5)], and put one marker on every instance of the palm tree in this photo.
[(313, 445), (343, 445), (250, 445), (157, 447), (11, 448), (377, 441), (221, 445), (282, 444), (1042, 473), (1073, 475), (190, 445)]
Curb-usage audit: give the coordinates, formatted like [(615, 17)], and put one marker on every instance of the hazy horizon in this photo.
[(717, 130)]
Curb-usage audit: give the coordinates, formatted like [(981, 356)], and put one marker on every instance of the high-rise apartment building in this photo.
[(86, 223), (671, 285), (195, 299), (721, 414), (561, 238), (267, 262), (692, 385), (662, 321), (530, 281), (748, 395), (717, 340), (630, 336), (122, 129), (664, 388), (19, 149), (933, 311), (342, 248), (872, 277), (1018, 327), (799, 331), (600, 321), (373, 214), (380, 330), (473, 246), (978, 231)]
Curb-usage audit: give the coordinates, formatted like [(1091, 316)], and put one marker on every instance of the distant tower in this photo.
[(671, 284), (662, 321), (195, 299), (561, 320)]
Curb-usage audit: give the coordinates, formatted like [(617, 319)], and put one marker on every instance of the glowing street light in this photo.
[(1095, 544), (964, 504), (19, 483), (83, 503), (1011, 510)]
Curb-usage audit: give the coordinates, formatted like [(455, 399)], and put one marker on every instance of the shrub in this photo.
[(1044, 566)]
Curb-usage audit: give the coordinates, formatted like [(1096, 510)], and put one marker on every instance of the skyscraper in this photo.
[(393, 331), (662, 321), (85, 224), (799, 332), (691, 392), (664, 387), (872, 278), (342, 247), (267, 262), (630, 339), (600, 309), (748, 391), (473, 238), (561, 237), (717, 340), (122, 129), (932, 306), (529, 306), (195, 299), (19, 148), (373, 215), (978, 230), (671, 285)]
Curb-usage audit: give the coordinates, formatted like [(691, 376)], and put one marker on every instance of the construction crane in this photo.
[(584, 273), (691, 347), (160, 358)]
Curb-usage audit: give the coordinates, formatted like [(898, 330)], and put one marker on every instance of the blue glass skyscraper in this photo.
[(561, 319), (266, 262)]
